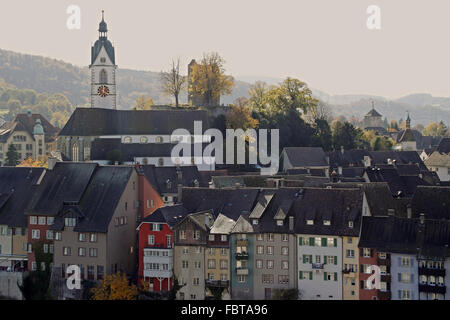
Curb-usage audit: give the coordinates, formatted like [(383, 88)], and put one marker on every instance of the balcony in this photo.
[(431, 272), (384, 295), (217, 283), (432, 288), (158, 273), (317, 265), (242, 271), (241, 256)]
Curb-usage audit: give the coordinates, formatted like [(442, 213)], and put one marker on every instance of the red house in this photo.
[(155, 247)]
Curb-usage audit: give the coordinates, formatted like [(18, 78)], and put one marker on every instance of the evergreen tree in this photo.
[(12, 156)]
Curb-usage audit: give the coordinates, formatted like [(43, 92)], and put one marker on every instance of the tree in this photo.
[(435, 129), (144, 102), (30, 162), (208, 79), (173, 82), (257, 93), (322, 136), (285, 294), (114, 287), (240, 116), (345, 135), (12, 156)]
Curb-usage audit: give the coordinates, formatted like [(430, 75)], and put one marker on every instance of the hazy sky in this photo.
[(323, 42)]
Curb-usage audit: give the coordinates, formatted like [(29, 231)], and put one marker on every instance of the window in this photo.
[(382, 255), (169, 241), (197, 265), (270, 237), (197, 235), (93, 237), (90, 272), (223, 264), (331, 242), (285, 251), (185, 250), (404, 277), (211, 237), (405, 294), (260, 237), (285, 265), (144, 139), (284, 237), (58, 236), (405, 262), (260, 249), (349, 240), (223, 238), (255, 222), (279, 222), (49, 234), (367, 253), (310, 222), (103, 76), (151, 239), (42, 221), (67, 251), (241, 278), (211, 264), (259, 264), (350, 253), (100, 272), (318, 242), (70, 222), (182, 234), (160, 162), (45, 248), (184, 264), (267, 278), (283, 279), (269, 250), (350, 224), (82, 237), (35, 234), (127, 140), (50, 220), (326, 222), (269, 264), (93, 252), (211, 251), (82, 252), (33, 220), (223, 251)]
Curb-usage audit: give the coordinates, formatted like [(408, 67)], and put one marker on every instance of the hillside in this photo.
[(46, 75)]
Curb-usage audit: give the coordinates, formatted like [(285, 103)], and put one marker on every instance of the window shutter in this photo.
[(300, 275), (335, 276), (362, 284), (399, 261), (399, 277), (371, 253), (400, 294), (304, 258), (335, 242), (335, 260), (310, 258), (362, 268), (310, 275), (324, 259), (324, 242), (325, 276), (361, 252), (311, 242), (412, 262), (300, 241)]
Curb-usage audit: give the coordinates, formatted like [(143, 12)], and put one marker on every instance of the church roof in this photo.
[(104, 122), (97, 47), (373, 113), (408, 135)]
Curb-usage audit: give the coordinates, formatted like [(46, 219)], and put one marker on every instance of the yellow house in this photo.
[(350, 278)]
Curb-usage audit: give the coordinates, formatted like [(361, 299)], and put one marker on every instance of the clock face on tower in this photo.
[(103, 91)]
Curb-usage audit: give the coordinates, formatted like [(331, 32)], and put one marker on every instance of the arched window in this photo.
[(145, 161), (127, 140), (75, 152), (103, 76), (159, 139), (144, 139), (160, 162)]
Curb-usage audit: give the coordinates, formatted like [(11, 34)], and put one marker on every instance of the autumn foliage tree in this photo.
[(240, 116), (173, 82), (208, 78), (114, 287), (30, 162), (144, 102)]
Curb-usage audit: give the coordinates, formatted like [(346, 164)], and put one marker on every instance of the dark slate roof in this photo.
[(433, 201), (159, 176), (101, 198), (402, 235), (347, 158), (103, 42), (400, 157), (338, 205), (352, 172), (306, 156), (230, 202), (444, 146), (98, 122), (405, 184), (380, 200), (129, 151), (373, 113), (26, 122), (65, 184), (170, 215), (16, 191)]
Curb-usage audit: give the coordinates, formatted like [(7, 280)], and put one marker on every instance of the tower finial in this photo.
[(103, 14), (373, 105)]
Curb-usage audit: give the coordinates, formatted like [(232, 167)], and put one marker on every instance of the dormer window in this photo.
[(70, 222), (310, 222), (279, 222), (255, 222), (127, 140), (168, 184), (159, 139), (350, 224), (144, 139), (326, 222)]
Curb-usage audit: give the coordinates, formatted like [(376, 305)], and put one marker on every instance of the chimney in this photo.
[(340, 170), (342, 149), (51, 163), (179, 174), (291, 223), (409, 211), (367, 161), (422, 218), (179, 193)]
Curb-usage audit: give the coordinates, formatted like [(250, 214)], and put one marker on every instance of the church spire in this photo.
[(103, 27), (408, 121)]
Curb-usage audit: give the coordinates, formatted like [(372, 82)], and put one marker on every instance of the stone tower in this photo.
[(103, 71)]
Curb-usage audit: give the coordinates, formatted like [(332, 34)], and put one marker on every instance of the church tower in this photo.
[(103, 70)]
